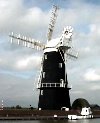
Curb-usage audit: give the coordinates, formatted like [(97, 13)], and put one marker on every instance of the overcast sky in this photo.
[(19, 66)]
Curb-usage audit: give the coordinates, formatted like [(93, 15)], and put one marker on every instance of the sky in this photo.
[(20, 66)]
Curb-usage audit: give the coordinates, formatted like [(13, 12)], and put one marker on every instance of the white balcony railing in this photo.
[(51, 85)]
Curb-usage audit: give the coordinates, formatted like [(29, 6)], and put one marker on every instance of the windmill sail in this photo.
[(52, 22), (72, 54), (27, 42)]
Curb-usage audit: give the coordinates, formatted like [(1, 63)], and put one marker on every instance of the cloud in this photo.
[(91, 75), (18, 18), (30, 62), (17, 90), (95, 88), (77, 92)]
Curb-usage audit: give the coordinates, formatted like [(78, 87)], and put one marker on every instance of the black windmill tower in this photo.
[(53, 83)]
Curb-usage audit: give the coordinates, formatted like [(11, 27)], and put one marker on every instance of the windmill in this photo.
[(52, 82)]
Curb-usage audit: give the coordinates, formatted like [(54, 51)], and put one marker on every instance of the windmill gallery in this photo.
[(52, 82)]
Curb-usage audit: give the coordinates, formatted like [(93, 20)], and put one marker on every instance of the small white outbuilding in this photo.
[(86, 111)]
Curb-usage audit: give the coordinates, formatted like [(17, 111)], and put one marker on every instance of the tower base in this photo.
[(54, 99)]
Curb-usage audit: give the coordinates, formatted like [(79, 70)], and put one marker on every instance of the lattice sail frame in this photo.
[(52, 22), (27, 42)]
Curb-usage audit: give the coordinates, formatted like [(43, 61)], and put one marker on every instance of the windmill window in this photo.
[(62, 83), (43, 74), (45, 56), (41, 92), (60, 65), (60, 42), (61, 80)]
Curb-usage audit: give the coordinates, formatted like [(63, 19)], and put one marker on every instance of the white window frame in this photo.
[(60, 65), (43, 74), (45, 56), (41, 92)]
